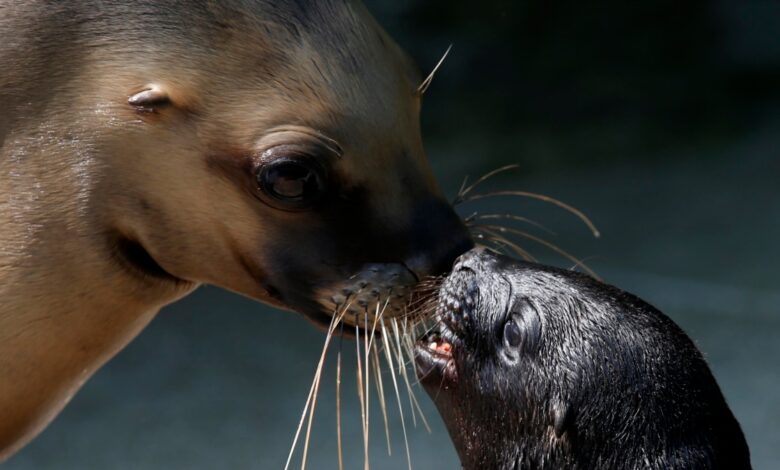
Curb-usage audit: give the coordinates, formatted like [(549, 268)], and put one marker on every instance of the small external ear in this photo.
[(151, 98)]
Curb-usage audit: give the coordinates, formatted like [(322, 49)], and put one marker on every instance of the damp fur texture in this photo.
[(586, 376)]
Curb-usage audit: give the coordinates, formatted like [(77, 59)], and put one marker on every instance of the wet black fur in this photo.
[(601, 380)]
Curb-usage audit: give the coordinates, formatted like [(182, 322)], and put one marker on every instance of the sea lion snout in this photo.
[(439, 237)]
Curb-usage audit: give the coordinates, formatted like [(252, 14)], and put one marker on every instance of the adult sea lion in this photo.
[(146, 147), (539, 368)]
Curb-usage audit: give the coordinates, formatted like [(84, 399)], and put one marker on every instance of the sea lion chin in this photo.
[(533, 367)]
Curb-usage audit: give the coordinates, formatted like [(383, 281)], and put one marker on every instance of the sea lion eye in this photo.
[(512, 334), (522, 331), (291, 183)]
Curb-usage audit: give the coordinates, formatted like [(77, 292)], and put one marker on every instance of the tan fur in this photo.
[(79, 166)]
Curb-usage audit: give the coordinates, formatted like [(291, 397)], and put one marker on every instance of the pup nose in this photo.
[(473, 260)]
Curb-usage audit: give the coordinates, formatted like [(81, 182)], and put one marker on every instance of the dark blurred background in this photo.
[(658, 119)]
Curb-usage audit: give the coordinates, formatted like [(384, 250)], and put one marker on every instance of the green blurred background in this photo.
[(659, 119)]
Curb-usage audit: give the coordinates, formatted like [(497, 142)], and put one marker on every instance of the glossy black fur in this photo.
[(601, 379)]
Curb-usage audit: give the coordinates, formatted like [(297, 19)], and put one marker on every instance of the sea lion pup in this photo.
[(534, 367), (148, 146)]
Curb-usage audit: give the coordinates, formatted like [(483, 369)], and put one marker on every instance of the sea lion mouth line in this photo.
[(438, 344), (435, 362), (435, 350)]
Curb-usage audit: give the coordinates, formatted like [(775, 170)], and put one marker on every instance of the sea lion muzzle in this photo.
[(383, 264)]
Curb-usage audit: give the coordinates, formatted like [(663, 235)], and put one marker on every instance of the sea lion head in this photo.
[(271, 148), (537, 367)]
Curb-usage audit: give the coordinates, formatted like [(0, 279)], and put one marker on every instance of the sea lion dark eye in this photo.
[(522, 331), (512, 334), (291, 183)]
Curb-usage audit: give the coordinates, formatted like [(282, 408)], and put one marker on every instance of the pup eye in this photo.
[(292, 184), (523, 330), (512, 334)]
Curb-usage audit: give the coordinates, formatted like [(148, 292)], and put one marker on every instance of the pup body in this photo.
[(536, 368)]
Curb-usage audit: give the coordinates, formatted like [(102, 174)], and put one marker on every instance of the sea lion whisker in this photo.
[(406, 333), (339, 445), (377, 318), (496, 237), (508, 216), (389, 359), (422, 314), (367, 343), (462, 187), (429, 328), (419, 306), (549, 245), (381, 392), (413, 404), (511, 247), (369, 346), (410, 384), (493, 243), (361, 398), (409, 338), (315, 383), (338, 398), (401, 360), (318, 380), (487, 241), (337, 319), (541, 197), (429, 79), (465, 191)]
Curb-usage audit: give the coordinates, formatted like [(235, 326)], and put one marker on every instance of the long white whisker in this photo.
[(377, 320), (541, 197), (513, 217), (389, 358), (503, 241), (315, 383), (412, 399), (465, 191), (501, 229), (318, 379), (367, 344), (427, 82), (338, 400), (402, 366), (361, 398), (381, 392)]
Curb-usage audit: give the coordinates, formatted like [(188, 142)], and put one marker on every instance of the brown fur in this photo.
[(83, 173)]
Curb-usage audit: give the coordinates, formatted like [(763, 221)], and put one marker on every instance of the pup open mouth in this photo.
[(435, 350)]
